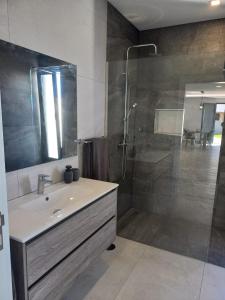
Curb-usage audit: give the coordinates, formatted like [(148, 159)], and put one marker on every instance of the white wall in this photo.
[(5, 277), (193, 114), (71, 30)]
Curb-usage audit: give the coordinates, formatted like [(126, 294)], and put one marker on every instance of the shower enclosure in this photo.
[(168, 167)]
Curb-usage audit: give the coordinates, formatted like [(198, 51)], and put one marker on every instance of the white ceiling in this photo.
[(210, 90), (148, 14)]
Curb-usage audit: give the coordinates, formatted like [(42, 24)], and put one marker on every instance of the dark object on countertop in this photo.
[(68, 174), (96, 159), (76, 174)]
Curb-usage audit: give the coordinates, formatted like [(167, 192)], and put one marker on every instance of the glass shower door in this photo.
[(175, 164)]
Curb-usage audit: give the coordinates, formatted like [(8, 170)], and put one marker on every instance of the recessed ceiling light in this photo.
[(218, 86), (215, 2)]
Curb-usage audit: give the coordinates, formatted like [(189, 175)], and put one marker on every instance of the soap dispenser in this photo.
[(68, 174)]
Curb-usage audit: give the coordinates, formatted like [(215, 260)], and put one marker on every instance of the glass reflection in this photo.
[(204, 108), (47, 90)]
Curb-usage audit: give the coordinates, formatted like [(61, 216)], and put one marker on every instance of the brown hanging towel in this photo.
[(96, 159)]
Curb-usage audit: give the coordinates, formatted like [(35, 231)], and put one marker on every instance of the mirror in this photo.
[(39, 107)]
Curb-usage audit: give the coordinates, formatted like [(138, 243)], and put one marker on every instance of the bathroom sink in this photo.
[(32, 214), (50, 201)]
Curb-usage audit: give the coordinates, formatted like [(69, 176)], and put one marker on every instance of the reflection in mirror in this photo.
[(204, 107), (39, 107), (48, 84)]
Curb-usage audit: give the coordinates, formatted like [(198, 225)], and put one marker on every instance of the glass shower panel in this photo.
[(115, 126), (173, 157)]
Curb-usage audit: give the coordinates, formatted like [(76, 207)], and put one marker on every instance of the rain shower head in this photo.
[(143, 46)]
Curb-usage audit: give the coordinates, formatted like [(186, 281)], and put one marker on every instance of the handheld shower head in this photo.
[(131, 109)]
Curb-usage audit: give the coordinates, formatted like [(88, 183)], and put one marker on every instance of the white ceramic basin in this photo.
[(32, 214)]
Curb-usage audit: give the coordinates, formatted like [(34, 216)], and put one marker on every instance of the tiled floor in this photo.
[(139, 272), (216, 253), (168, 233)]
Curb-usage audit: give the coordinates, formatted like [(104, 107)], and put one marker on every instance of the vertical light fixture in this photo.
[(59, 98), (201, 104), (49, 115)]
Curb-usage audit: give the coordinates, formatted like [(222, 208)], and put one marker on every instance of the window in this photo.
[(169, 121)]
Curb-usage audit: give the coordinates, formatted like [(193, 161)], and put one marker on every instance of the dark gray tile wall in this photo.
[(219, 205), (199, 38), (120, 35)]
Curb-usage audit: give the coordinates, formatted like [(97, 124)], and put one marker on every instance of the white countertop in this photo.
[(31, 214)]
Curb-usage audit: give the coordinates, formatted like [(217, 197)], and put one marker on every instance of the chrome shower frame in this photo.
[(124, 144)]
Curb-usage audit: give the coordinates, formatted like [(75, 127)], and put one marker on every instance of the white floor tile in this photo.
[(213, 285), (138, 272), (104, 279), (163, 275)]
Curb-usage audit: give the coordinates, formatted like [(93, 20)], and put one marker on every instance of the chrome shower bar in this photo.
[(127, 104)]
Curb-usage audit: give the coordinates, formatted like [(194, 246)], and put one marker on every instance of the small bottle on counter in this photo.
[(68, 174), (76, 174)]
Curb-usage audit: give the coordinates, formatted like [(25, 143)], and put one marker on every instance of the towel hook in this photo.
[(82, 141)]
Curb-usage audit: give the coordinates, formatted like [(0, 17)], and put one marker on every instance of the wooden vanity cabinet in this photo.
[(46, 266)]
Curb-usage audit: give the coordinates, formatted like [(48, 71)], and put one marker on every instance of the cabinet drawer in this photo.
[(56, 282), (51, 247)]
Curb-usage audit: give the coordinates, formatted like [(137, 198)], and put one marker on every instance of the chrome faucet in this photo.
[(42, 180)]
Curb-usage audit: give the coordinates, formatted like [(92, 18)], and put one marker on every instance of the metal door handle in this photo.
[(2, 223)]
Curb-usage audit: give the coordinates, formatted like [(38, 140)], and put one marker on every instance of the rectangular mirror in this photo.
[(39, 107)]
